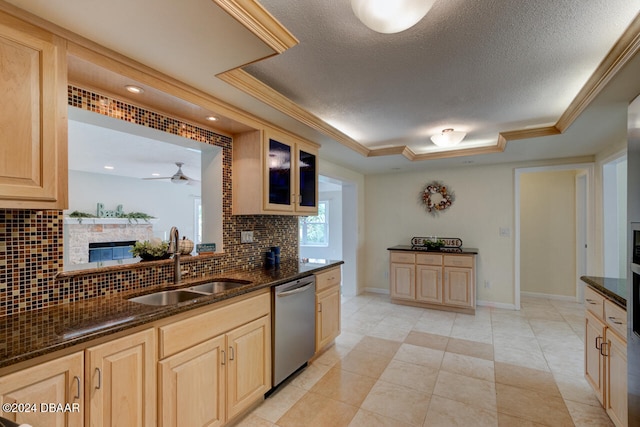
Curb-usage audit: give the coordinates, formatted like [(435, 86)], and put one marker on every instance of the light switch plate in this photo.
[(246, 237)]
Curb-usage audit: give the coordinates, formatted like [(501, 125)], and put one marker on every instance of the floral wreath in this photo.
[(434, 206)]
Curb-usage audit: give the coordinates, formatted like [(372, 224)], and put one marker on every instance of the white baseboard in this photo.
[(377, 291), (549, 296), (502, 305)]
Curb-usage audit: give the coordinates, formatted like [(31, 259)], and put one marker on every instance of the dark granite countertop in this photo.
[(409, 248), (31, 334), (614, 289)]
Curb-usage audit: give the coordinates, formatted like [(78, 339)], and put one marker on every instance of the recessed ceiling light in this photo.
[(109, 167), (155, 174), (134, 89), (212, 118)]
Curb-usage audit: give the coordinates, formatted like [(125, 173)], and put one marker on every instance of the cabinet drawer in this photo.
[(403, 257), (594, 302), (327, 278), (616, 318), (429, 259), (458, 261), (194, 330)]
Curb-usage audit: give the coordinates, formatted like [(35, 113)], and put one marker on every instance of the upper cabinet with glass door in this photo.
[(274, 174), (33, 138)]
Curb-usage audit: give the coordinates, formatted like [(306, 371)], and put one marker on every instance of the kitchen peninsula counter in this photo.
[(614, 289), (31, 334)]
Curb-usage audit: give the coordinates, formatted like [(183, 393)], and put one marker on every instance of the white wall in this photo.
[(334, 249), (548, 233), (484, 203), (614, 174), (353, 225), (171, 204)]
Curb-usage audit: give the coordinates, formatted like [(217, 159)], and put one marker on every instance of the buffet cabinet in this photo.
[(606, 353), (435, 280), (33, 111), (274, 173)]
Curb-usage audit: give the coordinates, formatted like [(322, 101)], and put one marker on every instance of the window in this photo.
[(314, 230)]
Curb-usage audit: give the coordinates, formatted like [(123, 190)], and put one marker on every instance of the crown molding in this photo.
[(245, 82), (619, 55), (260, 22)]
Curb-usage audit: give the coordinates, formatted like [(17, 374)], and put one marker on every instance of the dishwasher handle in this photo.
[(294, 291)]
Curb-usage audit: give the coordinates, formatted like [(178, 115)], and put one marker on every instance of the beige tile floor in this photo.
[(404, 366)]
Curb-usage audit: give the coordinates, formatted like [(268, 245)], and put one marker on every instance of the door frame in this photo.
[(581, 168)]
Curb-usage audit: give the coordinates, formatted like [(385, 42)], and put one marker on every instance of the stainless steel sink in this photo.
[(218, 286), (167, 297)]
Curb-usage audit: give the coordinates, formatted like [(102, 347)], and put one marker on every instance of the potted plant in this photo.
[(151, 250)]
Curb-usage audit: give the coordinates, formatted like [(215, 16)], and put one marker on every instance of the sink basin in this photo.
[(218, 286), (167, 297)]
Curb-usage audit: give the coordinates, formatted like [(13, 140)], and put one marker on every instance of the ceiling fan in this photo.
[(179, 177)]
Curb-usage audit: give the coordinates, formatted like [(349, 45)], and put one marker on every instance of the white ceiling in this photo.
[(134, 151), (484, 67)]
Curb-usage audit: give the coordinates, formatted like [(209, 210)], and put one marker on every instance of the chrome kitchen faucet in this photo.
[(174, 248)]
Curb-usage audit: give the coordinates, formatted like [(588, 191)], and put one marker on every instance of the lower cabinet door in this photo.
[(327, 316), (429, 283), (248, 364), (121, 381), (192, 386), (403, 281), (616, 384), (593, 360), (459, 287), (57, 381)]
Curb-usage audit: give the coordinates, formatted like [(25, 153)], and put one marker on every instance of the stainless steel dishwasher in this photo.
[(294, 326)]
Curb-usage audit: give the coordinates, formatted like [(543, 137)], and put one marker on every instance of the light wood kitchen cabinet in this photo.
[(328, 303), (215, 364), (121, 381), (616, 377), (428, 286), (594, 362), (606, 354), (403, 275), (192, 385), (274, 173), (435, 280), (33, 136), (56, 381), (249, 364)]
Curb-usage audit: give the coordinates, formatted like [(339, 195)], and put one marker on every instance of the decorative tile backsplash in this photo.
[(31, 242)]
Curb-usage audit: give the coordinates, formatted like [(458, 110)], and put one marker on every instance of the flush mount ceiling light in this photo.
[(388, 17), (448, 138), (134, 89)]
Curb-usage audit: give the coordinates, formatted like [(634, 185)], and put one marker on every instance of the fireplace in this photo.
[(109, 251), (102, 239)]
